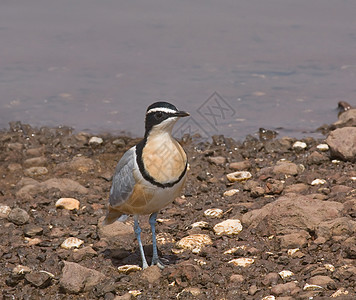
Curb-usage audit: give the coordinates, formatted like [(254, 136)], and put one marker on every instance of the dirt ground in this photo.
[(290, 222)]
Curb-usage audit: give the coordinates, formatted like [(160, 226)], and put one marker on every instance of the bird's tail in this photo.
[(113, 215)]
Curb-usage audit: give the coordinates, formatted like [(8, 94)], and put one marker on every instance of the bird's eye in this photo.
[(158, 115)]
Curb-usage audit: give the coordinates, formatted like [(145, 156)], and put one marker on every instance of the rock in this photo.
[(15, 146), (36, 171), (18, 216), (214, 213), (274, 187), (239, 176), (318, 182), (194, 242), (127, 269), (257, 191), (217, 160), (285, 274), (65, 185), (78, 163), (68, 203), (342, 143), (289, 288), (231, 192), (276, 217), (32, 230), (36, 152), (71, 242), (95, 140), (119, 143), (115, 229), (350, 208), (76, 279), (236, 278), (340, 292), (242, 262), (323, 281), (317, 158), (35, 162), (294, 240), (343, 226), (296, 188), (286, 168), (83, 253), (347, 118), (323, 147), (312, 287), (271, 279), (4, 211), (200, 224), (240, 166), (152, 274), (228, 227), (21, 270), (269, 297), (39, 279), (14, 167), (298, 145)]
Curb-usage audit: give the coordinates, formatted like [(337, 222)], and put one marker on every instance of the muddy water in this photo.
[(235, 65)]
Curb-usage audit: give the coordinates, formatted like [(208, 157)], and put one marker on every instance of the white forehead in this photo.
[(162, 109)]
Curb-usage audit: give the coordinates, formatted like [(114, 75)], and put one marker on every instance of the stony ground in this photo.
[(297, 211)]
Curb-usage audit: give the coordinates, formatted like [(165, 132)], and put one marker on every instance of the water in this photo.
[(96, 65)]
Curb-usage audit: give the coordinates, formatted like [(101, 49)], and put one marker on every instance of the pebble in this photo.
[(200, 224), (285, 274), (312, 287), (82, 253), (194, 242), (299, 145), (135, 293), (323, 147), (286, 168), (18, 216), (291, 252), (217, 160), (15, 146), (95, 140), (119, 143), (32, 230), (71, 242), (35, 162), (36, 171), (230, 193), (68, 203), (329, 267), (235, 249), (14, 167), (32, 242), (195, 292), (20, 270), (39, 279), (270, 297), (228, 227), (241, 165), (340, 292), (238, 176), (4, 211), (237, 278), (318, 182), (242, 262), (214, 213), (127, 269)]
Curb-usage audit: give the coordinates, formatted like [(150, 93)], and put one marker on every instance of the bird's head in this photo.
[(161, 117)]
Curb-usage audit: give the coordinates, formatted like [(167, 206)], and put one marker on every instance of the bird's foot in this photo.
[(157, 262)]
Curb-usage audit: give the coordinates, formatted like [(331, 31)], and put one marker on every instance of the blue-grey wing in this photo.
[(123, 180)]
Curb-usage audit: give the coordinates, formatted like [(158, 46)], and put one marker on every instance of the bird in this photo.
[(150, 175)]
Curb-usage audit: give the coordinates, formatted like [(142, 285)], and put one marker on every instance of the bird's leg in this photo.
[(155, 259), (137, 230)]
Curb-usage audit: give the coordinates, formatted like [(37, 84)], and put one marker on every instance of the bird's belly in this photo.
[(147, 199)]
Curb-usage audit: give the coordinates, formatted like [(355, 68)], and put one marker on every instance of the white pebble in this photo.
[(239, 176), (285, 274), (68, 203), (72, 242), (323, 147), (270, 297), (291, 252), (135, 293), (299, 145), (312, 287), (318, 182), (339, 292), (242, 261), (353, 178), (230, 193), (335, 161), (200, 224), (228, 227), (194, 242), (126, 269), (329, 267), (4, 211), (20, 269), (95, 140), (214, 213), (235, 249)]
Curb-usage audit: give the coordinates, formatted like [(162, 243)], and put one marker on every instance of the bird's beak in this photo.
[(181, 114)]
